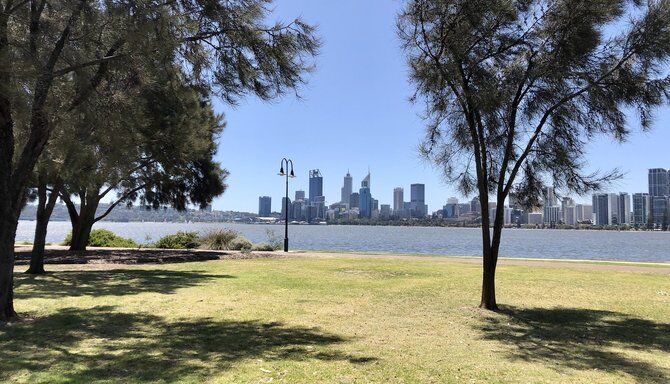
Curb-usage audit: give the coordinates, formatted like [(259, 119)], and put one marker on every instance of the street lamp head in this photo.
[(281, 171), (292, 175)]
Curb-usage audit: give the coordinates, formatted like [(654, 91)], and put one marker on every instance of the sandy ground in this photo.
[(61, 255)]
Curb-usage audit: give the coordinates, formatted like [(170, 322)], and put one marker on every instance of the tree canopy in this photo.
[(515, 90)]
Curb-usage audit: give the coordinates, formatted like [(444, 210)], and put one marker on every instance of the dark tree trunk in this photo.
[(8, 216), (45, 207), (82, 223), (489, 259)]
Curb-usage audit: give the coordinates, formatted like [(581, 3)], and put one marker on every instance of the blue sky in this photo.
[(355, 114)]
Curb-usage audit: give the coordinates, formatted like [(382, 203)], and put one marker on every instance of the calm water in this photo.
[(597, 245)]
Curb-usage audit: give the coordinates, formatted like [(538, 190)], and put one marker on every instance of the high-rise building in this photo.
[(347, 188), (624, 208), (613, 217), (550, 198), (299, 195), (315, 185), (264, 206), (398, 199), (552, 214), (641, 208), (659, 183), (584, 213), (418, 200), (365, 199), (286, 202), (475, 206), (659, 210), (601, 209), (385, 211), (354, 200)]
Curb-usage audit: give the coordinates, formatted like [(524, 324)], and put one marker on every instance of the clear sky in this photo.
[(355, 114)]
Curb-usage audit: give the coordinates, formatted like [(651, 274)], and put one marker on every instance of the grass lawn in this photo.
[(341, 320)]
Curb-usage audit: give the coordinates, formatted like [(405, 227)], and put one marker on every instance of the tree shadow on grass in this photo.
[(115, 282), (101, 343), (582, 339)]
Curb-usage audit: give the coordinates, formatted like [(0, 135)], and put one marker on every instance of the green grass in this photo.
[(341, 320)]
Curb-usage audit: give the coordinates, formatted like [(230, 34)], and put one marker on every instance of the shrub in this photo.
[(263, 247), (273, 240), (219, 239), (104, 238), (179, 240), (240, 243)]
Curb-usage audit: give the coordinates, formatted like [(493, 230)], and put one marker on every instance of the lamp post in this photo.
[(291, 175)]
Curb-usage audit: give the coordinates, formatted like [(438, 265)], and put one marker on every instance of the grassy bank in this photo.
[(337, 320)]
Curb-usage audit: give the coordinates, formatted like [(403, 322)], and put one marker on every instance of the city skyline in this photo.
[(375, 127)]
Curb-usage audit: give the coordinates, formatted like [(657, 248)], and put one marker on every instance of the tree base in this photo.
[(36, 271), (491, 307)]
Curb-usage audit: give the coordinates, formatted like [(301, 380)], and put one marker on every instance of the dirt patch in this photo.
[(61, 255)]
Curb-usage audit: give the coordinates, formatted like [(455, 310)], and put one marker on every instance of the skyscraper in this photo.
[(550, 197), (613, 217), (365, 198), (658, 182), (315, 185), (641, 208), (286, 202), (418, 200), (264, 206), (299, 195), (354, 200), (398, 199), (346, 188), (624, 208), (601, 209)]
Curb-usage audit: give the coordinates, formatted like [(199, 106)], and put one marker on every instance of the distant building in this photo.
[(624, 208), (570, 215), (584, 213), (659, 210), (418, 205), (354, 200), (475, 206), (535, 218), (315, 184), (347, 188), (385, 211), (641, 209), (659, 182), (398, 200), (552, 214), (601, 209), (550, 198), (299, 195), (613, 209), (286, 202), (264, 206), (365, 204)]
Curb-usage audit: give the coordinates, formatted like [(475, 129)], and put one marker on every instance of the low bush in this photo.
[(179, 240), (218, 240), (240, 243), (263, 247), (104, 238)]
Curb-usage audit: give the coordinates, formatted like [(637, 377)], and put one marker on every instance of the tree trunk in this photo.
[(82, 226), (7, 234), (45, 207)]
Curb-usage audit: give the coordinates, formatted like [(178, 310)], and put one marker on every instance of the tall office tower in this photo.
[(601, 209), (375, 205), (347, 188), (286, 202), (583, 212), (659, 210), (659, 182), (624, 208), (418, 200), (354, 200), (552, 214), (641, 208), (315, 185), (550, 197), (613, 209), (385, 211), (264, 206), (566, 203), (475, 206), (398, 199), (365, 198), (299, 195)]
